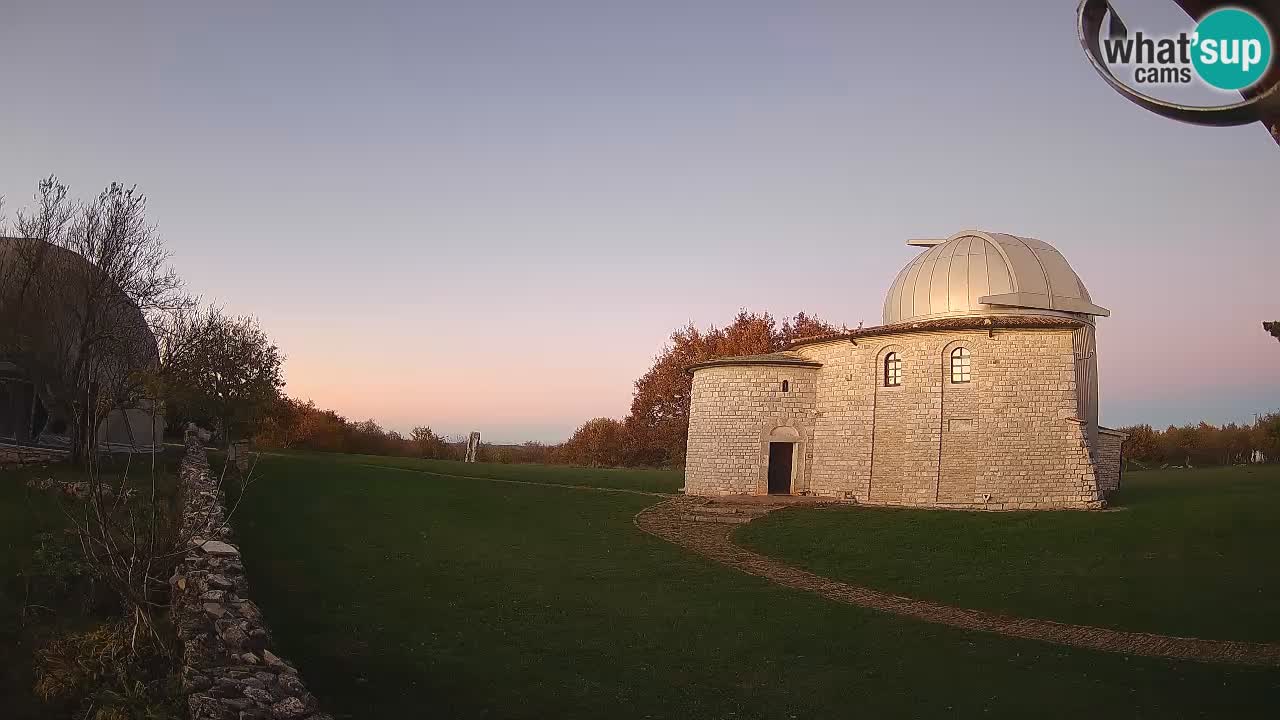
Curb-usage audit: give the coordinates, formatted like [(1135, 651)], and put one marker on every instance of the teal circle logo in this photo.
[(1232, 49)]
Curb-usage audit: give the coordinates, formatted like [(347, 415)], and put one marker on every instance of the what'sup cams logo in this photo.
[(1229, 48)]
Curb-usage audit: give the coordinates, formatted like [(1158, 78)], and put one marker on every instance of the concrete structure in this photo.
[(979, 391), (42, 311)]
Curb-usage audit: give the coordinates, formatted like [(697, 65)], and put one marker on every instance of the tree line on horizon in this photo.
[(655, 431), (1203, 444), (653, 434)]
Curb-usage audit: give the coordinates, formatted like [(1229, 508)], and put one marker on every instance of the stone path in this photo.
[(696, 523)]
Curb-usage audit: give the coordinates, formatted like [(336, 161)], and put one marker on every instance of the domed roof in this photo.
[(983, 273), (50, 328)]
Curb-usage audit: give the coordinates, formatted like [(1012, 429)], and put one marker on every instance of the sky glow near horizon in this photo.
[(491, 215)]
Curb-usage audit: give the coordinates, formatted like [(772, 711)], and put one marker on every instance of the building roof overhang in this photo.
[(991, 322), (780, 359)]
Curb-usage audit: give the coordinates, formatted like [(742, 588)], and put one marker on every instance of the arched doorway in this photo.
[(782, 444)]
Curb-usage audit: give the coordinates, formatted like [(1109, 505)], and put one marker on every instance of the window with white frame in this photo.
[(892, 370), (961, 364)]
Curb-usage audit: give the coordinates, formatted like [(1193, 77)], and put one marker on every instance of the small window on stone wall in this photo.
[(892, 370), (786, 386), (960, 365)]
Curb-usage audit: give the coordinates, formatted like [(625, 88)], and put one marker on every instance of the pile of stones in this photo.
[(229, 672), (75, 490)]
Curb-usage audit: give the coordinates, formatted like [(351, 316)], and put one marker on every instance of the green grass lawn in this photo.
[(660, 481), (413, 595), (1189, 552)]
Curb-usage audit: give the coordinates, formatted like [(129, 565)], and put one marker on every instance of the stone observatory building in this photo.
[(979, 391)]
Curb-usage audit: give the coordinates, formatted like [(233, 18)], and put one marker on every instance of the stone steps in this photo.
[(713, 518), (712, 509), (738, 509)]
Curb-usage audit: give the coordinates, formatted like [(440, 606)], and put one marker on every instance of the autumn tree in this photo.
[(1141, 445), (427, 444), (1203, 443), (1265, 436), (658, 426), (281, 425), (599, 442), (1273, 328), (218, 370), (318, 429)]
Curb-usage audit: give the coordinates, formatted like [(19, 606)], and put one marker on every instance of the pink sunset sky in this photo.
[(491, 215)]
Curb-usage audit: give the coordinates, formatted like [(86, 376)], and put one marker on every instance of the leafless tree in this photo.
[(82, 283), (132, 540)]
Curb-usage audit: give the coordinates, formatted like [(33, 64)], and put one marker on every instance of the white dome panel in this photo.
[(981, 273)]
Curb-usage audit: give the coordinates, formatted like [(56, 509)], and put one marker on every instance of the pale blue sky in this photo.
[(490, 215)]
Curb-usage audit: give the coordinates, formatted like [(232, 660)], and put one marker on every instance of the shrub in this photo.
[(107, 673)]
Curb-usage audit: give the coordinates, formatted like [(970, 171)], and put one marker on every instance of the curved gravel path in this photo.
[(671, 521)]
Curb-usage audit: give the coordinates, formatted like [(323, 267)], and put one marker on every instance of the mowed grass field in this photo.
[(660, 481), (402, 593), (1186, 552)]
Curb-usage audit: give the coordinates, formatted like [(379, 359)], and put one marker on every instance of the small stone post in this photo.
[(473, 444), (238, 455)]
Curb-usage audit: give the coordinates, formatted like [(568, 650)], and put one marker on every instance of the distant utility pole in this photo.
[(473, 444)]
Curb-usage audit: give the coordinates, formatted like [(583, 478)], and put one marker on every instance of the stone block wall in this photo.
[(229, 671), (1033, 447), (840, 457), (1110, 459), (962, 453), (1011, 438), (733, 411)]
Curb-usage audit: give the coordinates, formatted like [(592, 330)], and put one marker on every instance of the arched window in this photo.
[(892, 370), (960, 365), (786, 386)]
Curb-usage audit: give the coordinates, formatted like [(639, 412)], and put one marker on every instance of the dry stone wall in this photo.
[(17, 455), (1011, 438), (229, 671)]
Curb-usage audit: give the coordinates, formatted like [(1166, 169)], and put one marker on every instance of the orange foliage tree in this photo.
[(658, 425), (600, 442), (1203, 444), (653, 434)]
